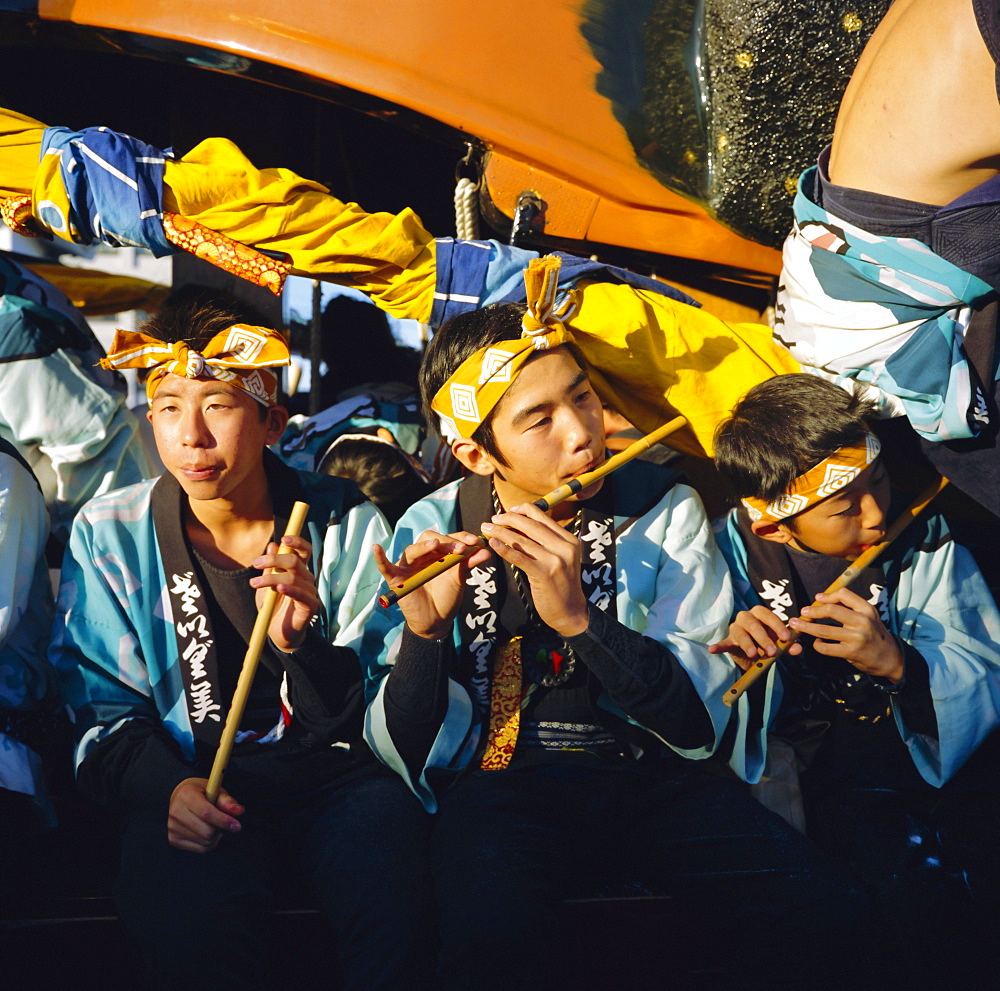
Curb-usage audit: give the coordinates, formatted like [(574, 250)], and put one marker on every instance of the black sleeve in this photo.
[(646, 680), (416, 697), (914, 697), (325, 688), (137, 766)]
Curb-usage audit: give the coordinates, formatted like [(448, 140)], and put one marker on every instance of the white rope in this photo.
[(466, 210)]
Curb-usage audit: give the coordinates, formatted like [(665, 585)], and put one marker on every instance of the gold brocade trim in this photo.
[(16, 214), (225, 253), (505, 708)]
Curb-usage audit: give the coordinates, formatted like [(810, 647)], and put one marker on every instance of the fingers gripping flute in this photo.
[(841, 581), (250, 660), (553, 498)]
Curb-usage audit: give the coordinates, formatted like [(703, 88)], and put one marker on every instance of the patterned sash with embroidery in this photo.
[(505, 708), (492, 613)]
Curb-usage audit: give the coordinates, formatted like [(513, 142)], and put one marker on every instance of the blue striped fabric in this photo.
[(473, 274), (114, 184)]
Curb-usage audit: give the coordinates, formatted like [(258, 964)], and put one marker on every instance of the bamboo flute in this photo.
[(841, 581), (547, 502), (296, 519)]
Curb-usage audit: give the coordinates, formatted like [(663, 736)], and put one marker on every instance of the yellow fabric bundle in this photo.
[(651, 358), (390, 257), (98, 294), (20, 143)]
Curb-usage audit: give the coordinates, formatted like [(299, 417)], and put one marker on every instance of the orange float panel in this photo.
[(518, 76)]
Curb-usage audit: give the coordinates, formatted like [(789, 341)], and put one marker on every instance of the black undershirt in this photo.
[(872, 751), (233, 611)]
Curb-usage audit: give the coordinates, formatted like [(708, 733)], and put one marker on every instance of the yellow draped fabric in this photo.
[(100, 294), (650, 357), (20, 143), (388, 256)]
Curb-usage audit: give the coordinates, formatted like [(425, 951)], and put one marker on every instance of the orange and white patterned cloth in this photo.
[(479, 383), (241, 355), (819, 482)]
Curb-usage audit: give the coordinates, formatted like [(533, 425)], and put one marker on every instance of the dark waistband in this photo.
[(964, 232)]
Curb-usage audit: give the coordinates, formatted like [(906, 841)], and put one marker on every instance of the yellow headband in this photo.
[(479, 383), (819, 482), (239, 355)]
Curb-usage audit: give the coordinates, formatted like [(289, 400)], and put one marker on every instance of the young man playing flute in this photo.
[(544, 697)]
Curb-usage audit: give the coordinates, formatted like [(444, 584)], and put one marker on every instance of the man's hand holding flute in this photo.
[(430, 608)]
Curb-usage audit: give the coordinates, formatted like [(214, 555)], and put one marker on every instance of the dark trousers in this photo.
[(931, 861), (202, 920), (768, 908)]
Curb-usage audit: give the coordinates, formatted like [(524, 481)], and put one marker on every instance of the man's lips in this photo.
[(872, 543), (589, 466), (199, 471)]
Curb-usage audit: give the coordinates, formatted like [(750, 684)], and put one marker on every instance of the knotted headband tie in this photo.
[(240, 355), (479, 383)]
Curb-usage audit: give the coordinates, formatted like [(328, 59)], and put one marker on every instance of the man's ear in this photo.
[(469, 454), (276, 419), (766, 530)]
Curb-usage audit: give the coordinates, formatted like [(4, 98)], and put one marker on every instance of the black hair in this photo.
[(382, 472), (460, 338), (195, 314), (782, 428)]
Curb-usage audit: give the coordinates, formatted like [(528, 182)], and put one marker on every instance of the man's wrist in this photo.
[(290, 647), (573, 626), (436, 634), (892, 681), (572, 615)]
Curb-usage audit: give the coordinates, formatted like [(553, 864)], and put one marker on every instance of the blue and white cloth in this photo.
[(885, 312)]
